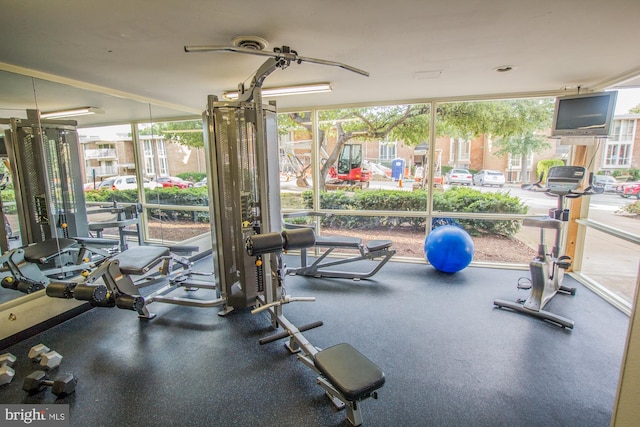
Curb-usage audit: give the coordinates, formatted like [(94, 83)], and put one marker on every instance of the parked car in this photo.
[(124, 182), (489, 177), (458, 176), (107, 184), (608, 182), (172, 181), (201, 183), (629, 189)]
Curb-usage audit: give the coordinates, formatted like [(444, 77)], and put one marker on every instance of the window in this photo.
[(619, 144), (387, 150)]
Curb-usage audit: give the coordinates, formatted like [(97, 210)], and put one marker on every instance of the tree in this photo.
[(513, 122), (635, 110), (187, 132)]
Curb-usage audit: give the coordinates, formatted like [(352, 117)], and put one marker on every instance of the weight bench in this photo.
[(118, 287), (348, 378), (345, 374), (321, 267), (28, 269)]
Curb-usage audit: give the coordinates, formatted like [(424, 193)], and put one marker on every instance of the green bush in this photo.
[(458, 199), (8, 195), (192, 176)]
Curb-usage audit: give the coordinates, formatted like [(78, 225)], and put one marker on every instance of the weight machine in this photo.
[(241, 144), (44, 160)]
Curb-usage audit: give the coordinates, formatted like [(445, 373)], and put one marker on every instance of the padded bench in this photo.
[(353, 375), (140, 259), (41, 253), (370, 251)]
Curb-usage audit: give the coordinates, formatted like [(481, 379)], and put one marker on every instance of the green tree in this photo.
[(187, 132), (513, 122), (635, 110)]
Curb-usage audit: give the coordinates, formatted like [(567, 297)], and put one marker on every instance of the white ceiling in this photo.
[(127, 56)]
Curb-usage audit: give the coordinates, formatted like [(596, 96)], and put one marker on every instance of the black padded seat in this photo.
[(377, 245), (351, 373), (139, 259), (551, 223), (41, 252), (338, 241)]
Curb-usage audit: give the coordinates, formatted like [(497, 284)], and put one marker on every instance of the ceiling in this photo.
[(128, 57)]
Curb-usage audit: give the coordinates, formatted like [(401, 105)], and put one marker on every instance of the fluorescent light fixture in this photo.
[(71, 113), (288, 90)]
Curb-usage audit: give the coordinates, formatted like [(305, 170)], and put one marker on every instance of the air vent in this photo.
[(250, 42)]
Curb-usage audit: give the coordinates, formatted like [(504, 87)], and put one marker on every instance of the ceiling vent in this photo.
[(250, 42)]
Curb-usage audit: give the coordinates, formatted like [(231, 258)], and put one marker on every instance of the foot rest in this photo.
[(41, 252), (140, 259), (377, 245), (351, 373), (338, 241)]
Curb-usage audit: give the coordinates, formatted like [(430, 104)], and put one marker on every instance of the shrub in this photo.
[(631, 208), (459, 199)]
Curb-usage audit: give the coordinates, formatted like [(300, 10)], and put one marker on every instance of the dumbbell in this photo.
[(62, 385), (48, 359), (6, 371)]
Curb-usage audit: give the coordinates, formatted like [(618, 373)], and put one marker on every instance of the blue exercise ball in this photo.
[(449, 248)]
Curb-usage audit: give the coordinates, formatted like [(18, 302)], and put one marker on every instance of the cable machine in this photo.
[(44, 159), (241, 144)]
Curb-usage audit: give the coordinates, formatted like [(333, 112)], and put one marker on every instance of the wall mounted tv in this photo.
[(587, 114)]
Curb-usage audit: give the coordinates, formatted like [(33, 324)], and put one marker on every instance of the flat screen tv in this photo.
[(587, 114)]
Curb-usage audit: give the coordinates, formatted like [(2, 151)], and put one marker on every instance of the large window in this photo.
[(620, 144)]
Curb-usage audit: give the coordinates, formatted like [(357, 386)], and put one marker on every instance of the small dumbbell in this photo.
[(6, 371), (64, 384), (48, 359)]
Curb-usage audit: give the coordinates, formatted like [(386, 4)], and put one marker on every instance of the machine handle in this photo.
[(283, 300)]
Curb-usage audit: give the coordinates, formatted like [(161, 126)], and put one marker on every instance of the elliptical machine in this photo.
[(547, 268)]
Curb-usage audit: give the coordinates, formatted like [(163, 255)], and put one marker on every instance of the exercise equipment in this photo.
[(29, 269), (449, 248), (118, 281), (377, 251), (125, 218), (46, 357), (548, 267), (6, 371), (45, 162), (241, 145), (346, 375), (63, 385)]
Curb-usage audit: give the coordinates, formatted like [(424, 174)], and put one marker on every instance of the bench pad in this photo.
[(338, 241), (376, 245), (139, 259), (351, 373), (40, 252)]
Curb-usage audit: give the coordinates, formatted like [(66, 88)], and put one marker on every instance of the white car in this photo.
[(458, 176), (130, 182), (607, 181), (489, 177)]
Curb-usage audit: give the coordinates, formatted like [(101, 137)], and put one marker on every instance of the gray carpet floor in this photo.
[(450, 358)]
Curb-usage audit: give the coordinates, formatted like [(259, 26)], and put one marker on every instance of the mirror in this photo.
[(20, 93)]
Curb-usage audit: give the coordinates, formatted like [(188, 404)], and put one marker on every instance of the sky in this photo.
[(627, 98)]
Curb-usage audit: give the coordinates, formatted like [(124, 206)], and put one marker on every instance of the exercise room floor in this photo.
[(450, 358)]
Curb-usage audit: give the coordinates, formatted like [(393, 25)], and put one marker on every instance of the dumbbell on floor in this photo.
[(6, 371), (48, 359), (62, 385)]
